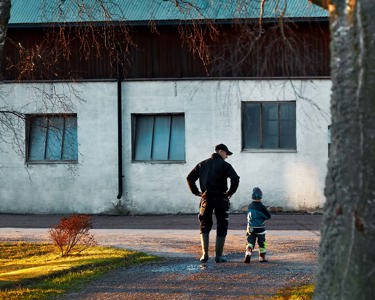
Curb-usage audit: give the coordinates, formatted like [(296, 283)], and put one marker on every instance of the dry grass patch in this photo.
[(303, 292), (37, 271)]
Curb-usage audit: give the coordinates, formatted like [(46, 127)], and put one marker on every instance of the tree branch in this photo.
[(321, 3), (4, 18)]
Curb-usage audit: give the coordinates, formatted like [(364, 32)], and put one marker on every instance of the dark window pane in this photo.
[(54, 138), (251, 125), (270, 132), (70, 148), (38, 134), (288, 126), (177, 144), (159, 137), (143, 137), (160, 145), (269, 125)]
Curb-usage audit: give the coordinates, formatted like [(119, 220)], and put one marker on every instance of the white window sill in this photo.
[(269, 151)]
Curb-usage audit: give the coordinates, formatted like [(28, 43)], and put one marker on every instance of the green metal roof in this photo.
[(72, 11)]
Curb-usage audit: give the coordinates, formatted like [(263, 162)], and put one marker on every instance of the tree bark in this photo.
[(347, 250), (4, 18)]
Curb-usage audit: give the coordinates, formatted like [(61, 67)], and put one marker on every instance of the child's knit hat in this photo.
[(257, 193)]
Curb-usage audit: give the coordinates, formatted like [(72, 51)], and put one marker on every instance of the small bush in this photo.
[(72, 234)]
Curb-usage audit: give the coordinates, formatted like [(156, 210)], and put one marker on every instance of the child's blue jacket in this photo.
[(257, 213)]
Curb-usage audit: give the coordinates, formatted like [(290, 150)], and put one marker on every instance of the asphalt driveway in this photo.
[(280, 221)]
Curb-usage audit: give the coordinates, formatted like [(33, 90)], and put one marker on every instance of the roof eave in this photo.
[(175, 22)]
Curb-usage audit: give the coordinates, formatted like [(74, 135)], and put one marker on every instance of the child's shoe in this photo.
[(262, 257), (248, 253)]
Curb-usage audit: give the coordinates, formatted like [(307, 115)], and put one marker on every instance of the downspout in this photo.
[(119, 131)]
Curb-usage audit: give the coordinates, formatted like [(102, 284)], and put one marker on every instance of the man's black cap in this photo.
[(223, 147)]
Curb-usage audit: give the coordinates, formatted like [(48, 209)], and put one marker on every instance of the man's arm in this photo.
[(234, 181), (191, 179)]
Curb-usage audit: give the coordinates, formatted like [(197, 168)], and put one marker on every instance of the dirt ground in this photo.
[(293, 241), (292, 261)]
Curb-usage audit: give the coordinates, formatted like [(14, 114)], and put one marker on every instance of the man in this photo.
[(213, 174)]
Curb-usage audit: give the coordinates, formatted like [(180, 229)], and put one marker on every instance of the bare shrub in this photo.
[(72, 234)]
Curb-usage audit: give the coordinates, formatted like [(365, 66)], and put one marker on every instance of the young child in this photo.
[(257, 213)]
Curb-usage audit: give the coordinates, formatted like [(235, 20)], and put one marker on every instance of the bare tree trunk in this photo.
[(4, 18), (347, 250)]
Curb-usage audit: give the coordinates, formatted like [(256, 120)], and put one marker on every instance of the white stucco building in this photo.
[(127, 146), (212, 114)]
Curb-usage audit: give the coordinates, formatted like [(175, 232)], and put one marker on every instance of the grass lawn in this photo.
[(304, 292), (36, 271)]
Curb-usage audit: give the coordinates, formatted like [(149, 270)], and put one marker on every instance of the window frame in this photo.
[(134, 117), (261, 147), (28, 127)]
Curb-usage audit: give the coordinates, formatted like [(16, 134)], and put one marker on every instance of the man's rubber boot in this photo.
[(248, 253), (262, 257), (204, 243), (220, 241)]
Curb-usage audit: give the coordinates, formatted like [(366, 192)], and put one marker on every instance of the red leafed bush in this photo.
[(72, 234)]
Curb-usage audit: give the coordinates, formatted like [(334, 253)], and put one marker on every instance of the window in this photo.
[(269, 125), (52, 138), (159, 137)]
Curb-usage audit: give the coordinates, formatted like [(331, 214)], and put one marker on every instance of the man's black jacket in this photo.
[(213, 174)]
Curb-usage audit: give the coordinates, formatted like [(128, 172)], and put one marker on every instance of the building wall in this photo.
[(292, 180), (212, 108), (87, 187)]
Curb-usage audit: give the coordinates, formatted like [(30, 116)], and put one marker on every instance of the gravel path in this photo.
[(293, 242), (292, 261)]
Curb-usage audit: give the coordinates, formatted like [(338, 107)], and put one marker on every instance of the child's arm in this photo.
[(266, 212)]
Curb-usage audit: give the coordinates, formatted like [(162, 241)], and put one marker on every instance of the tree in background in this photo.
[(347, 256), (4, 18)]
